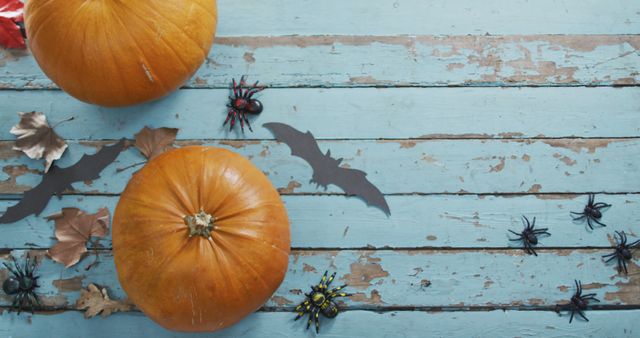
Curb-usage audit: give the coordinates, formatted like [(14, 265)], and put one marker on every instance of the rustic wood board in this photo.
[(405, 324), (467, 114)]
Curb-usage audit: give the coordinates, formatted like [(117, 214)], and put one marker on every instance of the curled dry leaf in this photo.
[(10, 16), (73, 229), (37, 139), (96, 301), (153, 142)]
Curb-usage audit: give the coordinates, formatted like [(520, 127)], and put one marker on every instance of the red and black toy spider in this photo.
[(242, 103)]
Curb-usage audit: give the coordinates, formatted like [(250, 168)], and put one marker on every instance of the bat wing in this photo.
[(302, 145), (354, 182), (58, 180)]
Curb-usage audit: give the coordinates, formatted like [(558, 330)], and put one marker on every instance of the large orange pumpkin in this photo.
[(120, 52), (200, 239)]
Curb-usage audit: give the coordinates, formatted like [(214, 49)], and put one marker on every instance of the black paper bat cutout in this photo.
[(326, 169), (57, 180)]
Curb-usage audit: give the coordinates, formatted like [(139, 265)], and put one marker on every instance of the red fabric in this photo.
[(10, 16)]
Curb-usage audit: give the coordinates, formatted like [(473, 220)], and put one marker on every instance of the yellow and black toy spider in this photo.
[(320, 300)]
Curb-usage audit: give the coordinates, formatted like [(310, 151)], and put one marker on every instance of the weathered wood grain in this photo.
[(348, 325), (437, 221), (423, 60), (440, 17), (354, 113), (404, 166), (405, 278)]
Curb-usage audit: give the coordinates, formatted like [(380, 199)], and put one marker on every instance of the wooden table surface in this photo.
[(467, 114)]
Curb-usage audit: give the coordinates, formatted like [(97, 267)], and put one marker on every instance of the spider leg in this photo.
[(572, 312), (246, 120), (592, 197), (323, 280), (525, 219), (517, 234), (595, 220), (578, 287), (243, 84), (310, 318), (633, 244), (241, 119), (302, 308), (338, 295), (613, 256), (624, 265), (589, 223), (19, 301), (334, 290), (333, 275), (235, 88), (582, 314), (229, 113), (233, 119), (582, 216), (601, 205), (588, 295), (317, 320)]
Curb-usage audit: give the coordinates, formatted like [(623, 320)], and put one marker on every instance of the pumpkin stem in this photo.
[(200, 224)]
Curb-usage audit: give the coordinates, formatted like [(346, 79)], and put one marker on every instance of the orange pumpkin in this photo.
[(117, 53), (200, 239)]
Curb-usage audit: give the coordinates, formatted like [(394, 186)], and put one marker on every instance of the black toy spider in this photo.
[(591, 212), (529, 236), (579, 302), (242, 103), (320, 300), (622, 251), (22, 283)]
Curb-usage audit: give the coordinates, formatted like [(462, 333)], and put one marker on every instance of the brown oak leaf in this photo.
[(96, 301), (153, 142), (37, 139), (74, 228)]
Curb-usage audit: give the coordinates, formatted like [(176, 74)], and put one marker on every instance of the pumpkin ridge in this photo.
[(154, 77), (231, 252), (206, 10), (151, 236), (176, 54), (72, 23), (180, 29), (114, 61), (164, 263), (243, 210), (257, 240), (184, 201)]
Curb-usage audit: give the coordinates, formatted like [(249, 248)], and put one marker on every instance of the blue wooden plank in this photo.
[(405, 278), (348, 61), (405, 166), (350, 324), (354, 113), (437, 221), (440, 17)]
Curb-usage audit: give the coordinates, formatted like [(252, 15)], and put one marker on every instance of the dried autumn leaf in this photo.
[(10, 16), (37, 139), (73, 229), (96, 301), (153, 142)]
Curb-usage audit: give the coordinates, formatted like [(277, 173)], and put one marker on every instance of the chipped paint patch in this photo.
[(308, 268), (374, 297), (498, 167), (290, 189), (535, 189), (576, 145), (249, 58), (10, 185), (629, 288), (364, 271), (238, 144), (69, 284), (565, 159), (281, 301)]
